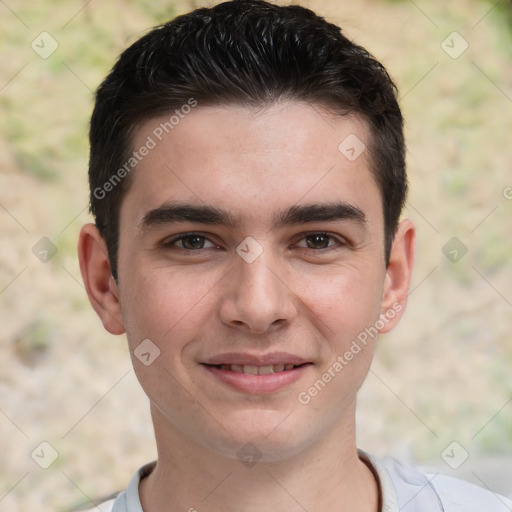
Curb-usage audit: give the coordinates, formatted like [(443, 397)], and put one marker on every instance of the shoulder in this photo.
[(459, 495), (418, 491)]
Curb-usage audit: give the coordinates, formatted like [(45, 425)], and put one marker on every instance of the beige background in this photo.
[(442, 376)]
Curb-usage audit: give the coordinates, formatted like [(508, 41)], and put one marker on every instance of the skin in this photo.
[(305, 295)]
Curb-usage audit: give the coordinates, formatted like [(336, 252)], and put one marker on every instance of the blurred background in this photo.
[(439, 393)]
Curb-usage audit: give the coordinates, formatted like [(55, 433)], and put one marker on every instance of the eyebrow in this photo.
[(181, 212), (303, 214), (297, 214)]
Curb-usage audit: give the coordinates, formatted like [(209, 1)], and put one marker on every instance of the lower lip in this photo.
[(258, 384)]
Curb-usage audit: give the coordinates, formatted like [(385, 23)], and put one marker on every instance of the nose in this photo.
[(256, 297)]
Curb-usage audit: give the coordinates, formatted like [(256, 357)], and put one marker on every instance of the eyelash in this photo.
[(172, 243), (338, 242)]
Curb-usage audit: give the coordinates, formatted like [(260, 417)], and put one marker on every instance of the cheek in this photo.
[(168, 309), (345, 301), (167, 306), (345, 308)]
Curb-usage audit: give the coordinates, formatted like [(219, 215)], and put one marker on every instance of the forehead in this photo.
[(251, 161)]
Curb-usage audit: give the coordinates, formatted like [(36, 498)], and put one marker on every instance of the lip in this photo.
[(258, 384), (247, 358)]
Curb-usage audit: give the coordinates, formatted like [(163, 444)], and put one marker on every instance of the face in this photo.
[(251, 255)]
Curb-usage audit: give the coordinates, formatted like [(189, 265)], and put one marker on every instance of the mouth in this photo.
[(257, 379), (250, 369)]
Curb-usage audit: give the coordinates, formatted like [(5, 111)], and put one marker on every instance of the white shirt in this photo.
[(403, 489)]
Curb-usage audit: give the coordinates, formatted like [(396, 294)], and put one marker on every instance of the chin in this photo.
[(268, 437)]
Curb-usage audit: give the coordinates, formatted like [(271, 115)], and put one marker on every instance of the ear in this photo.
[(97, 275), (398, 275)]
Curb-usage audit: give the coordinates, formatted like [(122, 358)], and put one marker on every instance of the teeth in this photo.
[(257, 370), (251, 370), (266, 370)]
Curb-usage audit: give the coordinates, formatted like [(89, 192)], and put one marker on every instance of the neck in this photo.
[(325, 476)]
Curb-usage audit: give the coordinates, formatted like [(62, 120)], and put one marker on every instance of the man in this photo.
[(247, 178)]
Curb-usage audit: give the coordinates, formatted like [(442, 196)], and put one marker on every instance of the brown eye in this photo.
[(192, 242), (318, 241), (189, 242)]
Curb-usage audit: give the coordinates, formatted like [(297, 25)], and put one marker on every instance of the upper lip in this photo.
[(255, 359)]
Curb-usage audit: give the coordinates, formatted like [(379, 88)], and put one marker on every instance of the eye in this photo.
[(190, 242), (318, 241)]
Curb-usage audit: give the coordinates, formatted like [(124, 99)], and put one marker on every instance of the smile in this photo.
[(257, 370), (257, 380)]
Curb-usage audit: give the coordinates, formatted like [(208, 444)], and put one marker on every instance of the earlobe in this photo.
[(398, 275), (96, 272)]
